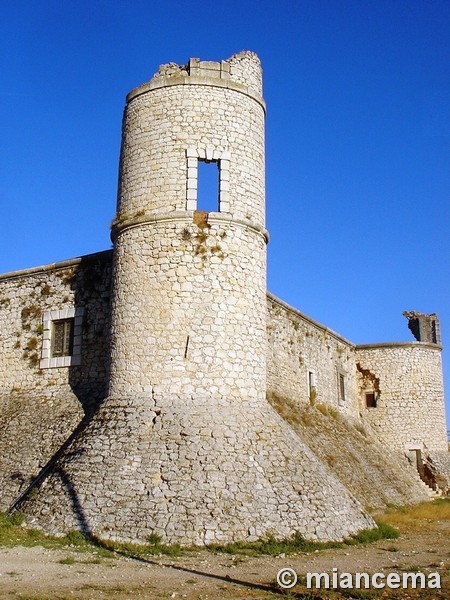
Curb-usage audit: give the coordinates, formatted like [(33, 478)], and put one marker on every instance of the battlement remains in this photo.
[(241, 72)]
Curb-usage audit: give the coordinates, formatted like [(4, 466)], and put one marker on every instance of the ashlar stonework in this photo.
[(142, 375)]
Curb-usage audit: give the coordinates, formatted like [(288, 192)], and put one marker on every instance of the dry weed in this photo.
[(418, 517)]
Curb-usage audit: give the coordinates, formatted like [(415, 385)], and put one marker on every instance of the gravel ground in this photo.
[(38, 574)]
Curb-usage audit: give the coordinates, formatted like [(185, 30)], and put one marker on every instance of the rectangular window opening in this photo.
[(433, 332), (208, 185), (62, 337), (312, 392), (341, 389), (371, 400)]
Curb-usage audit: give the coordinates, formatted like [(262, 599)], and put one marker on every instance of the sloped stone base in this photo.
[(194, 471), (29, 438)]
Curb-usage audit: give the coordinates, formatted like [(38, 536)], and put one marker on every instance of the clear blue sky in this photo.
[(358, 140)]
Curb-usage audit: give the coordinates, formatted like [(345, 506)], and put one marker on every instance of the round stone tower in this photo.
[(186, 445), (189, 291)]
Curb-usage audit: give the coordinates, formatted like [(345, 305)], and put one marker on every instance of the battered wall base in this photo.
[(194, 471), (33, 427)]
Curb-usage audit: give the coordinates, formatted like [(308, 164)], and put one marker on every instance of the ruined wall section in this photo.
[(39, 408), (407, 379), (297, 346), (245, 69)]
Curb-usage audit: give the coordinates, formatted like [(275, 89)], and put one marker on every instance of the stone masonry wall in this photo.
[(193, 315), (246, 70), (39, 408), (203, 113), (297, 346), (178, 438), (378, 476), (407, 379), (193, 474), (186, 445)]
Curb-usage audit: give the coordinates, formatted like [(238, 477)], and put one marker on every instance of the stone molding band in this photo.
[(184, 216), (165, 82), (398, 345)]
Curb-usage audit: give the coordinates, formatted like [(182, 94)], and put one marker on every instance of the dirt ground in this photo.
[(38, 574)]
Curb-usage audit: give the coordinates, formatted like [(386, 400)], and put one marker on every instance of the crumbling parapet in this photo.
[(241, 72), (425, 328), (243, 67)]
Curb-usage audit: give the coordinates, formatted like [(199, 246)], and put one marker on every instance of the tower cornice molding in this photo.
[(187, 217), (183, 80)]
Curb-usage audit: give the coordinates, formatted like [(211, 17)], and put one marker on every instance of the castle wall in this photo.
[(407, 381), (171, 115), (40, 407), (163, 346), (298, 346), (185, 445), (378, 477)]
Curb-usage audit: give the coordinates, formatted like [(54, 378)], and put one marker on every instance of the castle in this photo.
[(135, 383)]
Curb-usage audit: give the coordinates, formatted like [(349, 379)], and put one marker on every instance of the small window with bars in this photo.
[(62, 337)]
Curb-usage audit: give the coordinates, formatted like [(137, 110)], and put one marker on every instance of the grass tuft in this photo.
[(154, 539), (69, 560), (368, 536), (141, 550), (13, 534), (75, 538), (297, 543)]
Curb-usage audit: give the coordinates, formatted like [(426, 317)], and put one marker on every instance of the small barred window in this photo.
[(62, 337), (61, 340)]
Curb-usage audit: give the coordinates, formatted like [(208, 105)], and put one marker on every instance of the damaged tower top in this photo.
[(425, 328)]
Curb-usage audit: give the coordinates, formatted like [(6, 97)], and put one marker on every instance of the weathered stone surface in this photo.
[(406, 378), (410, 407), (175, 472), (39, 408), (181, 338), (379, 477)]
